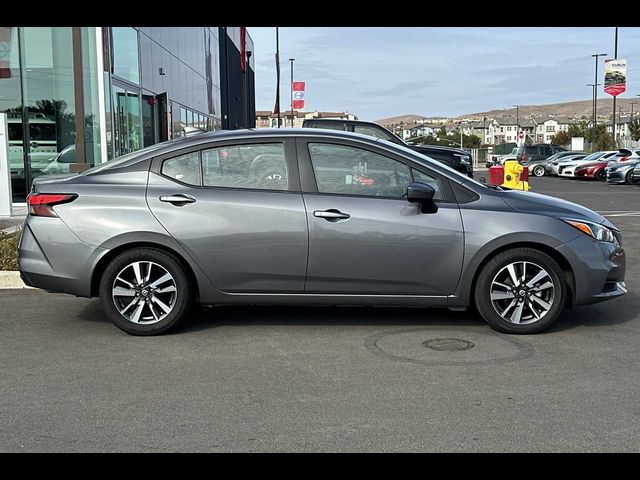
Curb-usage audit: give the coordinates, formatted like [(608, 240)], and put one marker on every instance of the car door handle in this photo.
[(331, 215), (178, 198)]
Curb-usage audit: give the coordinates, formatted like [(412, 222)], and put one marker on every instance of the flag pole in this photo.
[(277, 107)]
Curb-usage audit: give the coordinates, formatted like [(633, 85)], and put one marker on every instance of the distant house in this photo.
[(267, 119), (547, 128)]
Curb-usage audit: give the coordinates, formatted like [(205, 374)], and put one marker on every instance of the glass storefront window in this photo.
[(49, 98), (125, 53), (92, 145)]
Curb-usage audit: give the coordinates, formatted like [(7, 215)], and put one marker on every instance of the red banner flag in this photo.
[(298, 95), (243, 49), (5, 50)]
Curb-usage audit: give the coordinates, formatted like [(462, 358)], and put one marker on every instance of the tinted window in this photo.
[(347, 170), (328, 125), (261, 166), (375, 132), (185, 168), (548, 151), (429, 180), (530, 150)]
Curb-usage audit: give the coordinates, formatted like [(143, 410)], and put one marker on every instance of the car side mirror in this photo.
[(423, 194)]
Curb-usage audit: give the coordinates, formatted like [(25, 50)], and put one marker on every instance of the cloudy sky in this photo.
[(383, 72)]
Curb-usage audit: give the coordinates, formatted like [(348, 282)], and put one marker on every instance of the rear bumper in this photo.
[(56, 261)]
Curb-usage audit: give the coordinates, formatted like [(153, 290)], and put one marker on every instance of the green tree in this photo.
[(634, 129), (561, 138), (603, 139), (579, 129)]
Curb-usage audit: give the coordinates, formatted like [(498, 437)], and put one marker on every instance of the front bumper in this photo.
[(598, 269), (618, 176)]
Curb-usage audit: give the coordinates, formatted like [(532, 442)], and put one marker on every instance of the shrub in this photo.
[(9, 250)]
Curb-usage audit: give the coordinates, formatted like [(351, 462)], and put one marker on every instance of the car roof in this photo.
[(244, 134)]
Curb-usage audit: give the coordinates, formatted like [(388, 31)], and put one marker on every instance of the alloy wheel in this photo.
[(538, 171), (144, 292), (522, 292)]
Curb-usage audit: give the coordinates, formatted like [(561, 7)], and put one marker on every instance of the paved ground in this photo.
[(326, 379)]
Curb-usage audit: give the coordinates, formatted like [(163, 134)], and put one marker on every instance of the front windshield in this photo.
[(593, 156)]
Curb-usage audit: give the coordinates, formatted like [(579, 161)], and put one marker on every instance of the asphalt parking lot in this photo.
[(327, 379)]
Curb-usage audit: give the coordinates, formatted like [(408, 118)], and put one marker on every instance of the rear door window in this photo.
[(255, 166)]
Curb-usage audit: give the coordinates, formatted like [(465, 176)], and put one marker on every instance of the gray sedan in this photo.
[(310, 216)]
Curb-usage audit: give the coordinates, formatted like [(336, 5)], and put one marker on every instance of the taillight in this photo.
[(522, 158), (624, 159), (40, 204)]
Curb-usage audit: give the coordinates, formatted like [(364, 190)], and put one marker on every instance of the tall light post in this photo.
[(595, 99), (517, 121), (292, 60), (613, 117)]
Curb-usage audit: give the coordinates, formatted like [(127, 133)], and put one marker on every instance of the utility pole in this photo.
[(292, 60), (517, 122), (595, 100), (615, 55), (277, 108)]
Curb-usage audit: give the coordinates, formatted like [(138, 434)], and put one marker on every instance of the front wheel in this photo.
[(538, 171), (520, 291), (145, 291), (601, 174), (629, 177)]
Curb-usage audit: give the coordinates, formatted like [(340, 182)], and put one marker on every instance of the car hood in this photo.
[(529, 202)]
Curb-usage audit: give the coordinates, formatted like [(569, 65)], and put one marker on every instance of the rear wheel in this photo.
[(538, 171), (601, 174), (145, 291), (520, 291)]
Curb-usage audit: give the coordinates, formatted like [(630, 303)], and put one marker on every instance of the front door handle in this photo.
[(178, 199), (331, 215)]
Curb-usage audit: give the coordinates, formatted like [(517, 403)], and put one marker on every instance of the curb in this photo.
[(11, 280)]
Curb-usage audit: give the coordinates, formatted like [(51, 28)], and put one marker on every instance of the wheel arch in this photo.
[(111, 253), (560, 259)]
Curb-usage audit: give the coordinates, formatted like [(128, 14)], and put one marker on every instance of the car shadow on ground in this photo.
[(599, 315)]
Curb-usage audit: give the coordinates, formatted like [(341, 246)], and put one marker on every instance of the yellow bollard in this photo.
[(512, 171)]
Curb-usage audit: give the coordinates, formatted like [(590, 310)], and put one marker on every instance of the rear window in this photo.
[(328, 125)]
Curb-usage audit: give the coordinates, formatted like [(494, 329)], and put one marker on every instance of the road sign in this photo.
[(520, 134)]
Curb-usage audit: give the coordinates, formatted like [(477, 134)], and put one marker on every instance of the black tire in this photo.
[(628, 178), (601, 175), (494, 266), (184, 294), (538, 171)]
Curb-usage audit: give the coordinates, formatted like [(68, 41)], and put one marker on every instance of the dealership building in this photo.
[(78, 96)]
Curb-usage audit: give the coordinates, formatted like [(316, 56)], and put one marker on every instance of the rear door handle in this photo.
[(331, 215), (178, 198)]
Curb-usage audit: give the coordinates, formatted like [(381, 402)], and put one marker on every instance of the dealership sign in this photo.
[(298, 95), (615, 76)]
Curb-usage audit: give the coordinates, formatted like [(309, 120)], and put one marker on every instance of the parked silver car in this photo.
[(310, 216)]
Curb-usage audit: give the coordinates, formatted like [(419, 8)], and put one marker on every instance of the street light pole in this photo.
[(595, 99), (292, 60), (517, 121), (615, 55)]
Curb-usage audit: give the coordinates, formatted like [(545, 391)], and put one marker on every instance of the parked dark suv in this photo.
[(537, 152), (455, 158)]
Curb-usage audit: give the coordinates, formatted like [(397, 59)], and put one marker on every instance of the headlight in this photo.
[(595, 230)]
